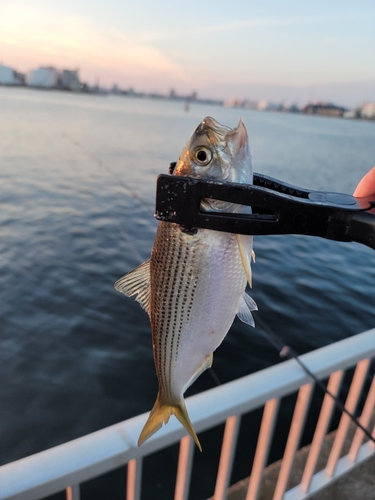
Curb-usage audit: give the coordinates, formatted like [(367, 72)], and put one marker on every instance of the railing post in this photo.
[(324, 419), (296, 427), (262, 449), (350, 405), (134, 478), (364, 420), (228, 448), (372, 444), (185, 462), (72, 492)]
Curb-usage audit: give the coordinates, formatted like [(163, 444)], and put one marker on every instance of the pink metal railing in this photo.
[(68, 465)]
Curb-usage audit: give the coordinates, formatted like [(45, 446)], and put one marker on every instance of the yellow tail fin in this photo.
[(160, 414)]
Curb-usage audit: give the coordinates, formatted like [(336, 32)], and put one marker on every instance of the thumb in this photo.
[(366, 185)]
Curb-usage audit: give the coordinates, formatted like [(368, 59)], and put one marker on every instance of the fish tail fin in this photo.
[(182, 415), (160, 414)]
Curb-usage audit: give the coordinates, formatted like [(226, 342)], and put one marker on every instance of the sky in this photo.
[(271, 49)]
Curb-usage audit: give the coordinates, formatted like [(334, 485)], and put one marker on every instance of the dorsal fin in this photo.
[(137, 281)]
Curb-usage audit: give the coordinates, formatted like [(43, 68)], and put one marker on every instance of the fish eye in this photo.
[(202, 156)]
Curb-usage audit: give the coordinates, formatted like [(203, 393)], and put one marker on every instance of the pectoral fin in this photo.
[(137, 282), (247, 304), (245, 246)]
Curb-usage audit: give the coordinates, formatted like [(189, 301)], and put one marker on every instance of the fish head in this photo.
[(217, 152)]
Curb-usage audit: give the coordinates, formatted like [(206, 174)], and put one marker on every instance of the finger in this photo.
[(366, 185)]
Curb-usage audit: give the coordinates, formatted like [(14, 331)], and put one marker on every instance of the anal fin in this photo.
[(207, 363)]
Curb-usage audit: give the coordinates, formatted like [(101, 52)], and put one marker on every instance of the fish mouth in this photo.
[(213, 125), (213, 131), (222, 136)]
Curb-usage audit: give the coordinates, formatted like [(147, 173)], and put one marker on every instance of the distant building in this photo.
[(232, 103), (351, 113), (247, 104), (51, 78), (322, 108), (250, 104), (115, 89), (45, 77), (8, 76), (368, 111), (290, 107), (69, 80), (268, 106)]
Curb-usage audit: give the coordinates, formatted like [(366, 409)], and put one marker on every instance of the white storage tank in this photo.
[(8, 76), (46, 77)]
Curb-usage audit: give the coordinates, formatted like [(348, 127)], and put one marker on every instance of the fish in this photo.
[(194, 283)]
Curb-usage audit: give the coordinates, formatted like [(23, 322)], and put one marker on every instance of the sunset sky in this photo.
[(255, 49)]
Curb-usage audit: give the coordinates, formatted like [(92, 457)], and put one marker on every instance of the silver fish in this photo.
[(194, 283)]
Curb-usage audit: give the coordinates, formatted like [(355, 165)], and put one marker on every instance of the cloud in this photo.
[(266, 22), (152, 36), (40, 37)]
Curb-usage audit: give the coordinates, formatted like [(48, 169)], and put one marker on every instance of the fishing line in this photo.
[(214, 376), (288, 353), (102, 165), (135, 196)]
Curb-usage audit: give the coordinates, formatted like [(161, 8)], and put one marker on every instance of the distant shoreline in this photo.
[(188, 101)]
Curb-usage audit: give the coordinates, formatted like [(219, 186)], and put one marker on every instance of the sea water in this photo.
[(77, 188)]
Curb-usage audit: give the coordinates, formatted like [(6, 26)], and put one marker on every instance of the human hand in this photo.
[(366, 186)]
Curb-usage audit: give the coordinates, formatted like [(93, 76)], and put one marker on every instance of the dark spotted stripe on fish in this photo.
[(174, 274)]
